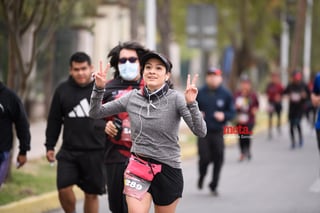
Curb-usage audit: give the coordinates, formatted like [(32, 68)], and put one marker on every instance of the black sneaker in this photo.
[(215, 193), (200, 182), (301, 143)]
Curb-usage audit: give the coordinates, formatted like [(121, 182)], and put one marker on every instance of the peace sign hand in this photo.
[(191, 91), (101, 76)]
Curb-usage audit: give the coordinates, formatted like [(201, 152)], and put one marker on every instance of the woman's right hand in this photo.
[(101, 76)]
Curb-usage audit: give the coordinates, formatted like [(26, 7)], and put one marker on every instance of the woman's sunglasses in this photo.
[(130, 59)]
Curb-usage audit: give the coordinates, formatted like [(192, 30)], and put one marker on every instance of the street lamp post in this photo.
[(150, 18), (307, 42)]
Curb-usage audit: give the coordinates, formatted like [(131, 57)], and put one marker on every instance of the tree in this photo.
[(164, 25), (24, 20), (30, 26), (240, 24)]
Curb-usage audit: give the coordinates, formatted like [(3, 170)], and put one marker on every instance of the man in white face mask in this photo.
[(125, 60), (129, 67)]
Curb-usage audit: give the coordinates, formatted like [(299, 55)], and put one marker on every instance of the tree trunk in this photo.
[(11, 84), (48, 77), (134, 18), (243, 52), (11, 65), (164, 26)]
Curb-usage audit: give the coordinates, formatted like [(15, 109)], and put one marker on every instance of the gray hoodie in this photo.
[(154, 124)]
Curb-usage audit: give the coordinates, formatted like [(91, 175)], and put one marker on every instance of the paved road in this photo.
[(277, 180)]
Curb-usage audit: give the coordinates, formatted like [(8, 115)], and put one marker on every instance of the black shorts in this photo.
[(83, 168), (167, 185), (277, 106)]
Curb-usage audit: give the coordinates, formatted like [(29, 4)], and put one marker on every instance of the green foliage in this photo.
[(35, 178), (262, 23)]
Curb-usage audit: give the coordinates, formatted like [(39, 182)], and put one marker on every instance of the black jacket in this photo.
[(13, 112), (70, 109), (298, 94), (211, 101)]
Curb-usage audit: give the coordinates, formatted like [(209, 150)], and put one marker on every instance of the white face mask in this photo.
[(128, 71)]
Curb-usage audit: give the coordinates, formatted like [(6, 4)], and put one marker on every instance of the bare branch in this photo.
[(52, 27), (31, 19), (35, 50), (33, 55), (20, 7), (16, 15), (12, 32), (43, 16), (5, 12)]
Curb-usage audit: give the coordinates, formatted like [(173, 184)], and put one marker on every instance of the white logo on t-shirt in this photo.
[(81, 110)]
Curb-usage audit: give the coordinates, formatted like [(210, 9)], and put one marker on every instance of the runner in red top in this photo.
[(274, 92)]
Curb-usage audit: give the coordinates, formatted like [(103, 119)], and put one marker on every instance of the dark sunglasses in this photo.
[(130, 59)]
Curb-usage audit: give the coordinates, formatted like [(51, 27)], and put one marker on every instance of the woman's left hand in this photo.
[(191, 91)]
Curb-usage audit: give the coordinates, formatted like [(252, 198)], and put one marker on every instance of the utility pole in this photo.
[(284, 49), (296, 49), (307, 41), (150, 19)]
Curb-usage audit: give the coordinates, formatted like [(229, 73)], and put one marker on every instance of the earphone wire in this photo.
[(148, 110), (140, 131)]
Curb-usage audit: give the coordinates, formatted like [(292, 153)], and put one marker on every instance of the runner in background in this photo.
[(12, 114), (80, 159), (125, 60), (217, 106), (297, 92), (315, 98), (247, 104), (274, 92)]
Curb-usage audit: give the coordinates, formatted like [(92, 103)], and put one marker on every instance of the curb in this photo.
[(37, 204)]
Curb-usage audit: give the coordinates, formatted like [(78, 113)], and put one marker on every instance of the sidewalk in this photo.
[(42, 203), (38, 150)]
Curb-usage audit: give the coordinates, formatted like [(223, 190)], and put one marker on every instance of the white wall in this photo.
[(110, 27)]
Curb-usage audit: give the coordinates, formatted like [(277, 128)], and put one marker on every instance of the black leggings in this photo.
[(115, 182), (295, 124), (277, 111), (211, 150), (318, 139), (245, 141)]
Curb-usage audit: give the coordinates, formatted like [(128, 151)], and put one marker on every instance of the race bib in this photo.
[(243, 118), (242, 103), (295, 96), (135, 186), (138, 176), (270, 108)]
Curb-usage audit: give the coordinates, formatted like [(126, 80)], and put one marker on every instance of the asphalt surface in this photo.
[(277, 179)]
